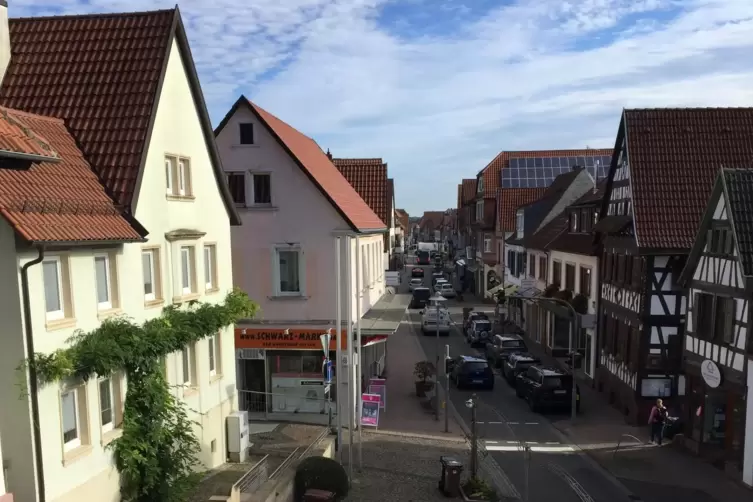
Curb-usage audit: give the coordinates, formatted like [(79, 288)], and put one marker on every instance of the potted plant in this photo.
[(478, 490), (423, 371), (550, 291), (565, 295), (580, 304)]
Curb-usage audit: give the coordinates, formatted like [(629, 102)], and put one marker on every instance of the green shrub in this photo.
[(320, 473), (477, 488)]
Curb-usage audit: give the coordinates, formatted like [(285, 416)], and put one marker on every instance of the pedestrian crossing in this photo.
[(536, 447)]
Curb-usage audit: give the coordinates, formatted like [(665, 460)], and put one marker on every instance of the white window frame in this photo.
[(214, 356), (187, 366), (168, 176), (182, 171), (76, 442), (54, 315), (210, 259), (301, 271), (250, 189), (107, 427), (153, 274), (108, 279), (190, 253), (487, 244)]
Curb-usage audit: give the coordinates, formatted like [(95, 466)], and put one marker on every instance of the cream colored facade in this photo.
[(82, 469)]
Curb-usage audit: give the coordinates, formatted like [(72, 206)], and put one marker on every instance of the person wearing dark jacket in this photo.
[(656, 420)]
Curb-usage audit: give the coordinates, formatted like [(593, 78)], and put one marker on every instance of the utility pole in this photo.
[(446, 389), (471, 403), (339, 370), (351, 362)]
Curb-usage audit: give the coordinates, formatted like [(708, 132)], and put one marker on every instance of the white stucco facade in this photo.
[(82, 469)]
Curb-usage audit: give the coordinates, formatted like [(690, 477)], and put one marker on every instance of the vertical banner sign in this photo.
[(379, 386), (370, 410), (325, 344)]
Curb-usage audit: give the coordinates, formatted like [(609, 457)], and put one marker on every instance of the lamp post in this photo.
[(471, 403), (438, 299), (573, 328)]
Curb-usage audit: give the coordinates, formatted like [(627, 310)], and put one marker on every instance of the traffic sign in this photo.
[(325, 338), (328, 372)]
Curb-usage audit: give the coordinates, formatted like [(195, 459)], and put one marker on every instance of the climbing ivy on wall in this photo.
[(156, 453)]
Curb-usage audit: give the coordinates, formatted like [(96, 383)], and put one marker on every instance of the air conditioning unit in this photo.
[(237, 436)]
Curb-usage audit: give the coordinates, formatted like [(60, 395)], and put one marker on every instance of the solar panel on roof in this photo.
[(540, 172)]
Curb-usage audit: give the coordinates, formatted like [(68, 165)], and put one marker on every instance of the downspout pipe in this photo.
[(33, 385)]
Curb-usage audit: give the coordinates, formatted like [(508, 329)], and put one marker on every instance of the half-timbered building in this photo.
[(719, 278), (663, 169)]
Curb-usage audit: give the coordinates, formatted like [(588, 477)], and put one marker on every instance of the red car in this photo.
[(417, 272)]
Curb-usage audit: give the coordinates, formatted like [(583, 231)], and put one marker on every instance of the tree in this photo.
[(156, 454)]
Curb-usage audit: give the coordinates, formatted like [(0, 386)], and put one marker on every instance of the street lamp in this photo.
[(573, 328), (438, 300), (471, 404)]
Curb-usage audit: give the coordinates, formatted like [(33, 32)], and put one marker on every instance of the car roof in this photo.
[(551, 371), (507, 338), (524, 356), (417, 279), (473, 359), (478, 314), (446, 284)]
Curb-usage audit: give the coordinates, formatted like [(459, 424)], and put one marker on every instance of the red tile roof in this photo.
[(369, 178), (431, 220), (60, 201), (102, 74), (509, 200), (469, 190), (324, 174), (18, 141), (403, 218), (460, 196), (492, 172), (390, 201), (674, 157)]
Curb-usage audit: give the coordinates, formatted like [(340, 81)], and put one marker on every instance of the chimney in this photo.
[(329, 155), (4, 39)]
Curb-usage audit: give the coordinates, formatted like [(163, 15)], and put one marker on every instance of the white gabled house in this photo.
[(717, 346), (114, 203)]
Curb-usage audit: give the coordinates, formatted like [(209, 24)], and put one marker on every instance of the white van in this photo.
[(429, 321)]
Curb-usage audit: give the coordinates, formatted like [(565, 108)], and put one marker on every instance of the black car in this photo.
[(420, 298), (470, 371), (417, 272), (500, 346), (546, 387), (517, 364)]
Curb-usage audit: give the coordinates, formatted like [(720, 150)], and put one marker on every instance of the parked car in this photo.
[(435, 276), (415, 283), (516, 364), (472, 316), (438, 285), (447, 290), (500, 346), (420, 298), (417, 272), (469, 371), (430, 325), (479, 332), (546, 388)]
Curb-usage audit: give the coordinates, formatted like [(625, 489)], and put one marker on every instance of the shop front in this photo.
[(714, 414), (281, 371)]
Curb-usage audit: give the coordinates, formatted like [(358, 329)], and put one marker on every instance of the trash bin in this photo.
[(449, 483)]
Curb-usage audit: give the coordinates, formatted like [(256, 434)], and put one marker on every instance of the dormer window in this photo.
[(480, 185), (574, 221), (585, 222), (519, 223), (596, 217)]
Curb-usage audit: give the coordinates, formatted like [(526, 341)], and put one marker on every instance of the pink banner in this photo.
[(370, 409)]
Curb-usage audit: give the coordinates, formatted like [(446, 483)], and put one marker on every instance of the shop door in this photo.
[(735, 433), (254, 385)]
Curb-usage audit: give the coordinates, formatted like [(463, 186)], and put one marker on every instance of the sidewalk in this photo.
[(652, 473)]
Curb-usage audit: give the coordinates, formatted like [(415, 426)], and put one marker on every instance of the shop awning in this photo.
[(385, 316), (528, 293)]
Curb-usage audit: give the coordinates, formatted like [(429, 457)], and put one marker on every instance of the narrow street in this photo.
[(557, 469)]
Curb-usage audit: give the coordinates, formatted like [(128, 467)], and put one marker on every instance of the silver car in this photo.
[(416, 282), (447, 290)]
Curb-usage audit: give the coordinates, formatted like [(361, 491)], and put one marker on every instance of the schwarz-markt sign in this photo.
[(298, 339), (622, 297)]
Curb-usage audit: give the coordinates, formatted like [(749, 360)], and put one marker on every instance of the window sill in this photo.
[(245, 146), (67, 322), (189, 391), (288, 297), (157, 302), (180, 198), (71, 456), (211, 291), (110, 436), (260, 207), (186, 298), (216, 378), (106, 313)]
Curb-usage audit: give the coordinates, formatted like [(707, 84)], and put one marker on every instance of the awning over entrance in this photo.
[(385, 316), (528, 293)]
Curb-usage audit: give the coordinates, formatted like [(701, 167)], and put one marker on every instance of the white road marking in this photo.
[(539, 449), (576, 487)]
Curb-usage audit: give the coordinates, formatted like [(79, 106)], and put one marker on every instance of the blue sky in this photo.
[(438, 87)]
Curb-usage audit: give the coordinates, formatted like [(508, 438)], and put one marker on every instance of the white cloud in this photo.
[(535, 74)]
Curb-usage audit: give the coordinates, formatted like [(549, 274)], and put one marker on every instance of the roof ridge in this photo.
[(93, 15)]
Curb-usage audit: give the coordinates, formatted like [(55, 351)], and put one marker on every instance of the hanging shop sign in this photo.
[(293, 339), (711, 373)]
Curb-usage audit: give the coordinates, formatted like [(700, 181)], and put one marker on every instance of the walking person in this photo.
[(656, 420)]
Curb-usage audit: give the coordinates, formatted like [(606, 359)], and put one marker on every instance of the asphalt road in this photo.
[(556, 470)]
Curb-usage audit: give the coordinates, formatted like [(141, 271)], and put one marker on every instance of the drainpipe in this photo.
[(33, 387)]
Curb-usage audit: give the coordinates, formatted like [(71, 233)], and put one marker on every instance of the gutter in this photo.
[(33, 384)]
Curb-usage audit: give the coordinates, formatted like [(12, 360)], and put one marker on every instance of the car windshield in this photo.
[(483, 325), (421, 293), (446, 286), (416, 281), (512, 344), (475, 366), (552, 382)]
